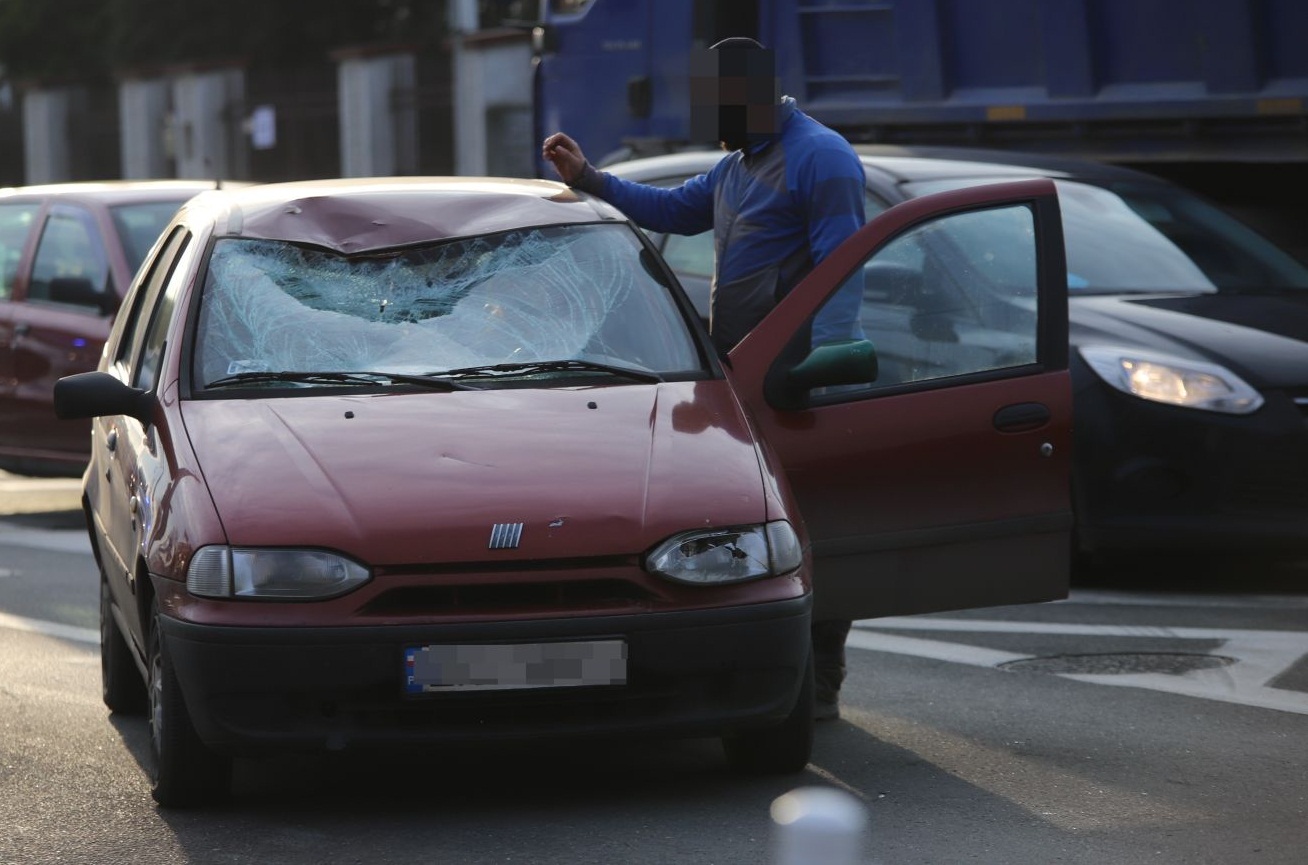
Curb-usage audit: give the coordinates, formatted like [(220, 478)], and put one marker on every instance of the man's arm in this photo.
[(685, 209), (833, 183)]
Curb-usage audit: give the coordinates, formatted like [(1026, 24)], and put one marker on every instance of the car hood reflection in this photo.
[(1263, 338), (423, 477)]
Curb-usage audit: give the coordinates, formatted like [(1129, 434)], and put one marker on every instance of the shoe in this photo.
[(826, 710)]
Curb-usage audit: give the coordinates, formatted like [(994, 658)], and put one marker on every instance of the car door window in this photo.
[(125, 344), (15, 225), (150, 360), (951, 297), (70, 266)]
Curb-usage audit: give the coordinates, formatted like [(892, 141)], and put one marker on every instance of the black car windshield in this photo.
[(139, 225), (1151, 237), (533, 299)]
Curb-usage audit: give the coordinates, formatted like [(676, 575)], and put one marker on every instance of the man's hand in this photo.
[(565, 155)]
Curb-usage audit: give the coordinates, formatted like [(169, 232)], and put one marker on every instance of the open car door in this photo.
[(931, 461)]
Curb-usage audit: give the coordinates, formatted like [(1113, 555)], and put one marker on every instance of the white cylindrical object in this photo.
[(817, 826)]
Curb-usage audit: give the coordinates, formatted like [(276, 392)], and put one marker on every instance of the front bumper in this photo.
[(688, 673), (1157, 478)]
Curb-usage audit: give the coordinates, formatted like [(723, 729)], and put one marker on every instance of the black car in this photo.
[(1189, 336)]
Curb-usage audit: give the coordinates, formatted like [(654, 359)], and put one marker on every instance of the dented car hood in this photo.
[(406, 478)]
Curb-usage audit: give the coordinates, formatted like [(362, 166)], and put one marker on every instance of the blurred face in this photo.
[(733, 96)]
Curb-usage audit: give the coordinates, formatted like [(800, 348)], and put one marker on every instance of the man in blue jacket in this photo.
[(789, 192)]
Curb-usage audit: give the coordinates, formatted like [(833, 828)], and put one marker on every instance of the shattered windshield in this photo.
[(531, 298)]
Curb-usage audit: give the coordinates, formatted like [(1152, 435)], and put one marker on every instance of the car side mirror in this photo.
[(79, 291), (99, 394), (851, 361)]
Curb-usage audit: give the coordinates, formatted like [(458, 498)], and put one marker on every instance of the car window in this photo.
[(693, 255), (951, 297), (583, 292), (171, 271), (1150, 237), (139, 226), (15, 225), (70, 265), (144, 295)]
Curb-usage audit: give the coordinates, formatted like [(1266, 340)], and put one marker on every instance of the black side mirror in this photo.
[(79, 291), (99, 394), (851, 361)]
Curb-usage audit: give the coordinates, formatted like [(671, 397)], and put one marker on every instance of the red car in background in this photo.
[(67, 255), (415, 461)]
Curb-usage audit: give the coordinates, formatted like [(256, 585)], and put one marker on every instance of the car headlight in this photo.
[(1161, 378), (731, 555), (236, 572)]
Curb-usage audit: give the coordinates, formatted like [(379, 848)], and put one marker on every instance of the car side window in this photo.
[(150, 359), (70, 266), (15, 226), (135, 312), (951, 297)]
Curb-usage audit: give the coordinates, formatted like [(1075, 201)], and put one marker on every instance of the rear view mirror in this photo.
[(99, 394)]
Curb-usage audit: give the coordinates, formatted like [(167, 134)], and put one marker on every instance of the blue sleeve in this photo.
[(684, 209), (831, 184)]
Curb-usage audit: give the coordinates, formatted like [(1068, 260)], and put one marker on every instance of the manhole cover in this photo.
[(1170, 663)]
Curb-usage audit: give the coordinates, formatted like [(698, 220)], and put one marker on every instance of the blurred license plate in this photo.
[(502, 667)]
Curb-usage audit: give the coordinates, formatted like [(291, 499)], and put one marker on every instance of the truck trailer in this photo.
[(1211, 93)]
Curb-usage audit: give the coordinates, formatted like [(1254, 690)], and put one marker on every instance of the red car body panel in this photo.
[(926, 474), (422, 477)]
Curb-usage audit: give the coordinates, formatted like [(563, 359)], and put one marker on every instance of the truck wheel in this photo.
[(120, 680), (184, 770), (780, 750)]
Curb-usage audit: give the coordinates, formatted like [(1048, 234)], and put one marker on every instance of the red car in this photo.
[(67, 256), (416, 461)]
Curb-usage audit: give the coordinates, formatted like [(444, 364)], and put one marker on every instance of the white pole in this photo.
[(817, 826)]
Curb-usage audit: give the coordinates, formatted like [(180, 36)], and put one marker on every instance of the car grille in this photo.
[(479, 596)]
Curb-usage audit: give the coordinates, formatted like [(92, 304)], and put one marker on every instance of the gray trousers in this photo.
[(829, 658)]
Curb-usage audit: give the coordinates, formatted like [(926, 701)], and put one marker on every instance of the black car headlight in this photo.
[(1173, 380), (727, 555), (238, 572)]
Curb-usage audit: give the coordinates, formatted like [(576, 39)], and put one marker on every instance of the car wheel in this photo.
[(121, 682), (779, 750), (184, 770)]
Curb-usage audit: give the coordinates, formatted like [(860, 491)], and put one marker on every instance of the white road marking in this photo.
[(1260, 656), (53, 540), (50, 629), (1100, 597)]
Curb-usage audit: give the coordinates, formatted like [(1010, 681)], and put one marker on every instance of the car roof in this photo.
[(112, 192), (909, 164), (362, 214)]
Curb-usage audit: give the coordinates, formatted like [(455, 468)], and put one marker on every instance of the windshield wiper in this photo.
[(548, 366), (436, 382)]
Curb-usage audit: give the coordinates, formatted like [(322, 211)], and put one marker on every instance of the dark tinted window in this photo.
[(70, 264)]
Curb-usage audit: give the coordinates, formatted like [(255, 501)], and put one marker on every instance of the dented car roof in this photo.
[(360, 215)]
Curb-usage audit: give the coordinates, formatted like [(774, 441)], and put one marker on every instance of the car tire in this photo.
[(122, 687), (779, 750), (184, 771)]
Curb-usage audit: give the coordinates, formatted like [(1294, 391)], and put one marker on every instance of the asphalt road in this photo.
[(1133, 723)]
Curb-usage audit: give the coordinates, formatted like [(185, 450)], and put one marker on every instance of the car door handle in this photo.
[(1021, 417), (111, 440)]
